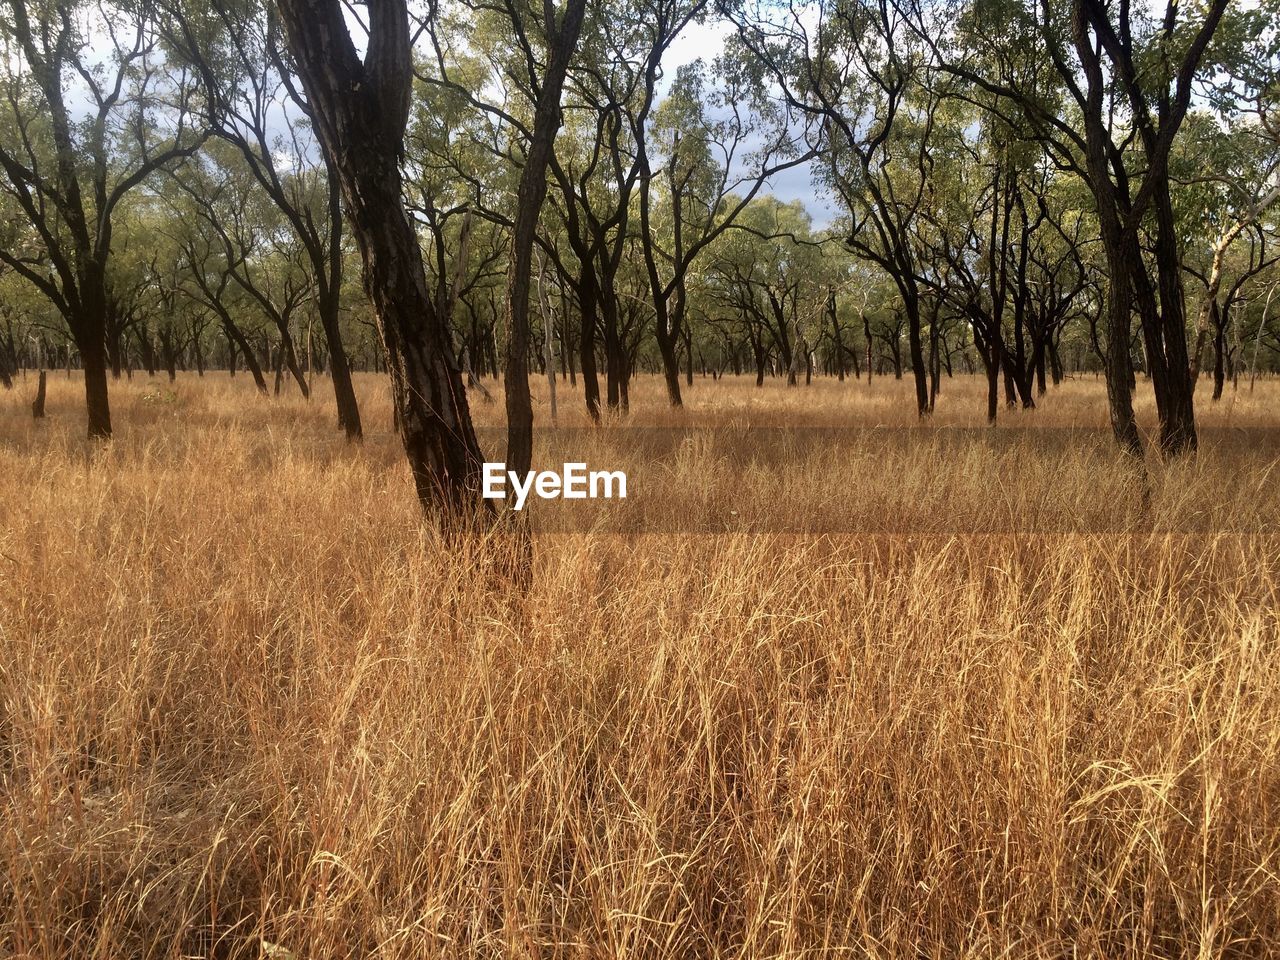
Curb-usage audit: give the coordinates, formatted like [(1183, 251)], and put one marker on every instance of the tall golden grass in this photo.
[(251, 706)]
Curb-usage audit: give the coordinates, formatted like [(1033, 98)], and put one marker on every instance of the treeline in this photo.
[(470, 191)]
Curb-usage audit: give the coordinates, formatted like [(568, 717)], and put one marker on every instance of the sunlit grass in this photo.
[(251, 706)]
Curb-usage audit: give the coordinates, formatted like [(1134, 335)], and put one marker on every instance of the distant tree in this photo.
[(69, 172)]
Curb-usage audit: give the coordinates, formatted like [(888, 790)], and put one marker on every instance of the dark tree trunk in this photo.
[(866, 332), (612, 348), (835, 334), (329, 302), (289, 359), (688, 356), (532, 192), (37, 405), (360, 110), (670, 368), (97, 403), (1219, 360), (235, 335), (992, 360), (587, 300)]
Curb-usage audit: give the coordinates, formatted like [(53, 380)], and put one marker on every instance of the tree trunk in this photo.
[(344, 392), (866, 332), (587, 302), (1219, 361), (37, 405), (93, 358), (531, 193), (360, 111)]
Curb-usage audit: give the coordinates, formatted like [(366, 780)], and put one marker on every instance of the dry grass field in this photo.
[(998, 702)]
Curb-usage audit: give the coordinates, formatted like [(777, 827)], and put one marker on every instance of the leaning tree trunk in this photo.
[(236, 337), (360, 110)]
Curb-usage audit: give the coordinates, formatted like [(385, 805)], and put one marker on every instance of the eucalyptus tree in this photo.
[(256, 107), (263, 257), (359, 104), (531, 46), (459, 186), (717, 137), (976, 236), (857, 70), (611, 93), (1228, 168), (768, 270), (206, 260), (1104, 89), (91, 109)]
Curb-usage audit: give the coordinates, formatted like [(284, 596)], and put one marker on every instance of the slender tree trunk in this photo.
[(339, 367), (1219, 355), (562, 38), (587, 301), (37, 405)]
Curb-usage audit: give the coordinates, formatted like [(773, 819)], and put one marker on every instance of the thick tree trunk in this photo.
[(670, 368), (340, 371), (360, 110), (1055, 363), (1178, 425), (97, 404), (1119, 365), (917, 358)]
